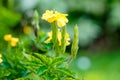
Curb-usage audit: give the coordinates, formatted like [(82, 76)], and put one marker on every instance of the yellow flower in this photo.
[(13, 41), (1, 58), (49, 16), (52, 16), (59, 37), (61, 19), (27, 29), (7, 37), (67, 39)]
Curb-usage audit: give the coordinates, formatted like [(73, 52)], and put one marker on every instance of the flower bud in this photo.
[(74, 48)]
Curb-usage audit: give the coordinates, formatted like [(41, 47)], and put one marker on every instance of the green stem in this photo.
[(54, 38), (9, 47), (63, 40), (54, 34)]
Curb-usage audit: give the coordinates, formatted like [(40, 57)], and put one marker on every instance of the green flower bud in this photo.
[(36, 23), (74, 47), (36, 16)]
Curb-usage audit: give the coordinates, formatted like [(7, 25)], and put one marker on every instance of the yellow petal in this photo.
[(61, 19), (7, 37), (49, 16), (67, 43), (48, 40), (52, 16), (59, 37), (13, 44), (67, 36), (14, 40), (27, 29), (49, 37)]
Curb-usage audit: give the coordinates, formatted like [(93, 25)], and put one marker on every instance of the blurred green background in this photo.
[(99, 31)]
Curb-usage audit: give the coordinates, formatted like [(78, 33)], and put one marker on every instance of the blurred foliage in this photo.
[(95, 7), (103, 67), (102, 17), (8, 21)]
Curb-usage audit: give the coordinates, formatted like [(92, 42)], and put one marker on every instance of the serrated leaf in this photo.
[(27, 56), (71, 79), (36, 60), (68, 79), (31, 76), (42, 70), (66, 72), (43, 58), (48, 77), (57, 61), (4, 72)]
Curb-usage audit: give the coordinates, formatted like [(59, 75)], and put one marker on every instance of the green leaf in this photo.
[(4, 72), (58, 61), (49, 77), (66, 72), (31, 76), (36, 60), (43, 58), (8, 19), (42, 70), (70, 79), (27, 56)]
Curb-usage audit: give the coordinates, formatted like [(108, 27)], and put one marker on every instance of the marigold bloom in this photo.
[(27, 29), (1, 58), (13, 42), (52, 16), (49, 16), (59, 37), (61, 19), (7, 37)]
